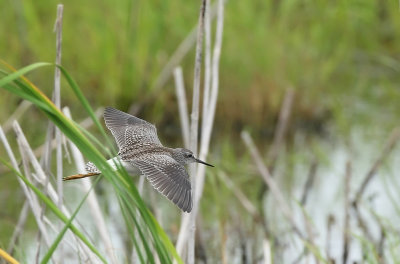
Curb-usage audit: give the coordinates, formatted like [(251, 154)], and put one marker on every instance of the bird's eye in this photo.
[(190, 155)]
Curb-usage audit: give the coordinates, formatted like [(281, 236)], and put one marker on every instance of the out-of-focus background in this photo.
[(339, 61)]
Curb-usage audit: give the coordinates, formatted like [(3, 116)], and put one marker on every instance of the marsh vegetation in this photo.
[(295, 103)]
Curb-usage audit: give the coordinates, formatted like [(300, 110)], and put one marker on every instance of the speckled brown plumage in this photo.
[(141, 152), (163, 167)]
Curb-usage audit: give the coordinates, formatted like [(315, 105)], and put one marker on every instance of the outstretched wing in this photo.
[(129, 130), (168, 177)]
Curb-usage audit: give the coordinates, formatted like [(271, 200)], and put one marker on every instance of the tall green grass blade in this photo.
[(129, 210), (132, 233), (54, 209), (15, 75), (11, 88)]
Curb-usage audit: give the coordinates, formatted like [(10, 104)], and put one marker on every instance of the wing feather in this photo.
[(129, 130), (168, 177)]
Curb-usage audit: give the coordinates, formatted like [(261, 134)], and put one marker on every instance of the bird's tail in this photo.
[(80, 176), (90, 168)]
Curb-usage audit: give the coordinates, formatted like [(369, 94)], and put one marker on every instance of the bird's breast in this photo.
[(132, 170)]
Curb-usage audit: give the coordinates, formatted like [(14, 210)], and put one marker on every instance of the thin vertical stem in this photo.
[(30, 197), (209, 119), (195, 125), (196, 83), (182, 104), (207, 63), (275, 190), (41, 178), (209, 106), (267, 251), (281, 128), (57, 101)]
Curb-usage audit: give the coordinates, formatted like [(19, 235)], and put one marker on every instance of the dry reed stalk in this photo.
[(276, 192), (194, 125), (67, 154), (182, 104), (30, 197), (281, 128), (57, 101), (247, 204), (187, 224), (41, 178), (92, 200), (207, 62), (42, 208), (208, 119), (267, 251), (47, 147), (182, 236)]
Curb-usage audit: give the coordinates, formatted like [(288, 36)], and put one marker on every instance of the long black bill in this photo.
[(205, 163)]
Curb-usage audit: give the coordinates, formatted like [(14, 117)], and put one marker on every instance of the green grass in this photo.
[(337, 55)]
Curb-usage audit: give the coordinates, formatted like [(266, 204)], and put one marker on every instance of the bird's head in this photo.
[(185, 156)]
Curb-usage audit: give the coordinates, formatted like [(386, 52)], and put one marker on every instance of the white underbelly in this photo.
[(132, 170)]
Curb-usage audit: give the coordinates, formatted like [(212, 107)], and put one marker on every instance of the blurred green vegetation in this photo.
[(341, 56)]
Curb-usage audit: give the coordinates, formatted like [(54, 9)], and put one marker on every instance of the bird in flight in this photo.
[(141, 153)]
